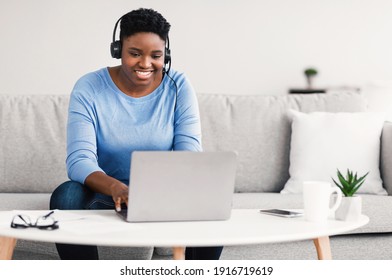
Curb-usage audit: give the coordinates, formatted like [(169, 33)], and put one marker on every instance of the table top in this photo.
[(106, 228)]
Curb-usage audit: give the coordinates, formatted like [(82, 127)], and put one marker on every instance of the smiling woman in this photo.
[(140, 104), (142, 64)]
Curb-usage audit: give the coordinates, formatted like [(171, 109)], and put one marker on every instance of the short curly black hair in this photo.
[(144, 20)]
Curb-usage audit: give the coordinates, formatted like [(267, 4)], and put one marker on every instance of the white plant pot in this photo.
[(350, 209)]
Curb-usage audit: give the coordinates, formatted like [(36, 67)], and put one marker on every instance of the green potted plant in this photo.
[(310, 73), (351, 205)]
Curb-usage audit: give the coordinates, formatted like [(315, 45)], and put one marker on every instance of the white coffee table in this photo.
[(104, 227)]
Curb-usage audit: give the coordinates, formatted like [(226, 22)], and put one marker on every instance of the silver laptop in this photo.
[(180, 186)]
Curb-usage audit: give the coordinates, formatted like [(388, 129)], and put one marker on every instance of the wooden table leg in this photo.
[(179, 253), (7, 245), (323, 248)]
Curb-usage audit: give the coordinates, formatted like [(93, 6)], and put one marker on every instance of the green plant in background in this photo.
[(310, 73), (350, 184)]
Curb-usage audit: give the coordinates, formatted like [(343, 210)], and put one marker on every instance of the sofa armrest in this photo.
[(386, 156)]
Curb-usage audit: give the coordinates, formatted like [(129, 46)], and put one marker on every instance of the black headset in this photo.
[(115, 48)]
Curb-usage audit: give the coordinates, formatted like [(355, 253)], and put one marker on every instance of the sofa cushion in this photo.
[(24, 201), (258, 128), (323, 142), (32, 142)]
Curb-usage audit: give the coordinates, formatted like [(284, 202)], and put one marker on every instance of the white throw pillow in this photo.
[(323, 142)]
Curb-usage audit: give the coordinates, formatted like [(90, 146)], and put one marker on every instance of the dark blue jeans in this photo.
[(75, 196)]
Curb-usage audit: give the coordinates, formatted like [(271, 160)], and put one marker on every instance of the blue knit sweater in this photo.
[(105, 125)]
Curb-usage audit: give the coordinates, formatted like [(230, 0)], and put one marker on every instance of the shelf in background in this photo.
[(306, 91)]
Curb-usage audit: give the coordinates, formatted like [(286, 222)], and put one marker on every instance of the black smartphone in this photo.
[(281, 213)]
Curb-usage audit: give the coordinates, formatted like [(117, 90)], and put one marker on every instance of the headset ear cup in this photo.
[(115, 49), (167, 56)]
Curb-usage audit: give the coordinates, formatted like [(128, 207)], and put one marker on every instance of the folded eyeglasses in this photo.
[(45, 222)]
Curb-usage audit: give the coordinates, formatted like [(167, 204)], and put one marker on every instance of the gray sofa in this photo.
[(32, 156)]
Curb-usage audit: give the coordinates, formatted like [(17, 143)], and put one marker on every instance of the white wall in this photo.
[(225, 46)]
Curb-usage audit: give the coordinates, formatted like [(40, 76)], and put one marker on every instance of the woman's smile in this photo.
[(144, 74)]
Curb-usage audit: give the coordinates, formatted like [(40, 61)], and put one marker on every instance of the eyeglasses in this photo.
[(43, 222)]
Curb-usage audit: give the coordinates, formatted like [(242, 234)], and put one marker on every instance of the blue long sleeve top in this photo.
[(105, 125)]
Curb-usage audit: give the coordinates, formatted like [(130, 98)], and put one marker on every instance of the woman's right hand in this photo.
[(102, 183), (119, 192)]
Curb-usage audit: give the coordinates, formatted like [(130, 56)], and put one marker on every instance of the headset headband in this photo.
[(115, 28)]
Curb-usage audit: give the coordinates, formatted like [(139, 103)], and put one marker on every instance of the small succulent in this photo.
[(350, 184), (310, 72)]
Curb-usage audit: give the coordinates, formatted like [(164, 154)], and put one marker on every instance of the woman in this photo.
[(138, 105)]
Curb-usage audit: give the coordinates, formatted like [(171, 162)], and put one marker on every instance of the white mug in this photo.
[(317, 197)]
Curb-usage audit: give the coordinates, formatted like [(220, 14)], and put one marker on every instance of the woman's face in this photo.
[(142, 59)]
